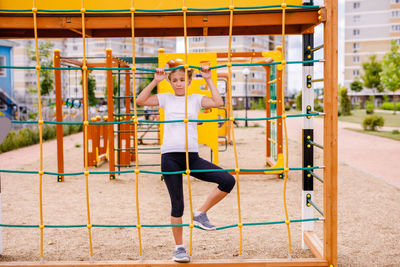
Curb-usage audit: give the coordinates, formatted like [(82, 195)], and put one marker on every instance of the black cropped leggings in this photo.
[(176, 161)]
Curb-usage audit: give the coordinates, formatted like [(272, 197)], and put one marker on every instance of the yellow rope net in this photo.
[(40, 122), (237, 169), (135, 120), (286, 159), (86, 123), (186, 121)]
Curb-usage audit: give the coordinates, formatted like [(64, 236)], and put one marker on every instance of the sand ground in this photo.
[(368, 210)]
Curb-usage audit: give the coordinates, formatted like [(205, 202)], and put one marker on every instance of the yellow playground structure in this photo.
[(137, 18)]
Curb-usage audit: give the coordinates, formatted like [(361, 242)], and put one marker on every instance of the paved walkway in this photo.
[(377, 156)]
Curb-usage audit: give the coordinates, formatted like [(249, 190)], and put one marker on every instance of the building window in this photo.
[(396, 28), (395, 1), (233, 75), (2, 63), (356, 45), (356, 18), (395, 13), (356, 32), (356, 73), (75, 48), (356, 59), (356, 5)]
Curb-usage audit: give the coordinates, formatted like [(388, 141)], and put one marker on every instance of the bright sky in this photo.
[(295, 53)]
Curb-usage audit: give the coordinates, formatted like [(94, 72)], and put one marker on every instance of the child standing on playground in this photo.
[(173, 149)]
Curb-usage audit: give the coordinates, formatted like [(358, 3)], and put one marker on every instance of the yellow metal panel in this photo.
[(222, 130), (126, 4), (207, 132)]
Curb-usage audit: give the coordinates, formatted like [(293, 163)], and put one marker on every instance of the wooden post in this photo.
[(92, 143), (59, 116), (110, 109), (330, 131)]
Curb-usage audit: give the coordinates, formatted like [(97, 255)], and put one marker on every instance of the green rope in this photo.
[(15, 10), (59, 10), (168, 69), (208, 9), (170, 121), (257, 7), (16, 171), (155, 172), (149, 225), (107, 10), (152, 10)]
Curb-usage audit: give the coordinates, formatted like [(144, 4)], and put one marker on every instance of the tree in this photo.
[(390, 75), (91, 88), (344, 102), (372, 70), (45, 60), (356, 85)]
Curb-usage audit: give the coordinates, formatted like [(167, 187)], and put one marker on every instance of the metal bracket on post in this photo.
[(308, 132)]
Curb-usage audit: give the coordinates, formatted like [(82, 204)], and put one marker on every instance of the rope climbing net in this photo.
[(237, 167)]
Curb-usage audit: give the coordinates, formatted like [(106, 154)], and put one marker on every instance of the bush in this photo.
[(395, 132), (339, 113), (369, 108), (49, 132), (389, 106), (299, 101), (287, 107), (24, 137), (345, 105), (370, 105), (371, 122), (317, 106), (258, 104), (9, 142), (28, 136), (32, 115)]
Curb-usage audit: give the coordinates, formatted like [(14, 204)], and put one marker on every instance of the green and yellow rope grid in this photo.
[(186, 120)]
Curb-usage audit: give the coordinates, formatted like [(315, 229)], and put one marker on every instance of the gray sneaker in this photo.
[(180, 255), (202, 221)]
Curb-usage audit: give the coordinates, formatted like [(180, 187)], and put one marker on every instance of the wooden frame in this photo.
[(13, 25), (262, 22), (59, 116)]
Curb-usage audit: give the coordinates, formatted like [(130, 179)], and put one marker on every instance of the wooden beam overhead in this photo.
[(13, 25)]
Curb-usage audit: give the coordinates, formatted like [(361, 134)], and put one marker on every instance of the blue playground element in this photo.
[(8, 106)]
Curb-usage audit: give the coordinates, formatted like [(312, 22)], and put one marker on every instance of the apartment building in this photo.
[(369, 28), (25, 80), (256, 78)]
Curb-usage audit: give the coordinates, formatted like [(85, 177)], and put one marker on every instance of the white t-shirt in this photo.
[(174, 133)]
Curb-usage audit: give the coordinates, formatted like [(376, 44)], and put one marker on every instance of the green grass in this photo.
[(384, 134), (359, 115)]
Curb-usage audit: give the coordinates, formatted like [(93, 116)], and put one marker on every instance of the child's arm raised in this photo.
[(215, 101), (145, 98)]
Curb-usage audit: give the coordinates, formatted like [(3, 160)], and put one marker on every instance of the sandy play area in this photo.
[(369, 210)]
